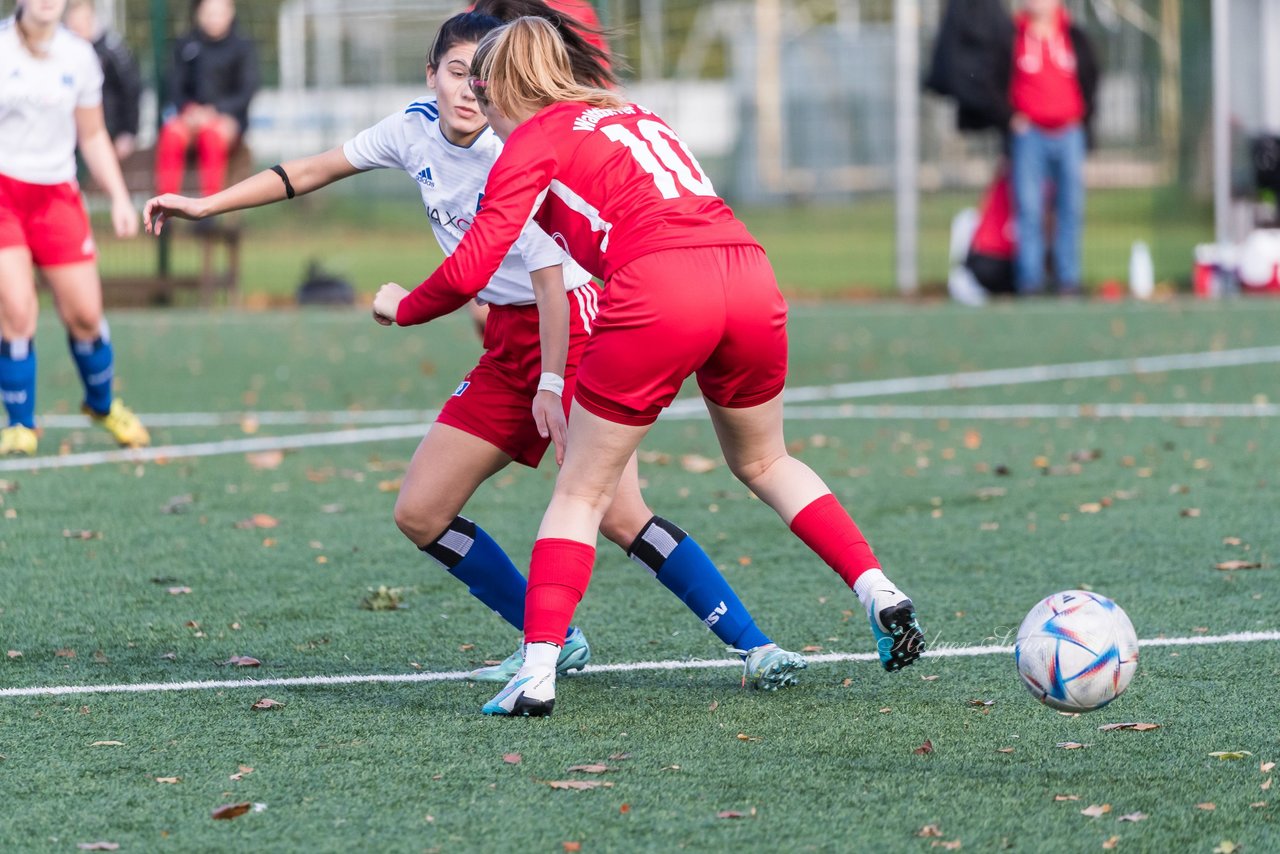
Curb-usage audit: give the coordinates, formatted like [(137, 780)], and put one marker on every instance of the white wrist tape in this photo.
[(553, 383)]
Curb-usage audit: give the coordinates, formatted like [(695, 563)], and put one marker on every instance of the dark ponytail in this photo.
[(464, 28), (591, 66)]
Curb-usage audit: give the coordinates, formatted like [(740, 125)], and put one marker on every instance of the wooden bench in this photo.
[(151, 277)]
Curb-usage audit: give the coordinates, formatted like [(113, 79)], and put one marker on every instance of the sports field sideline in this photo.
[(991, 457)]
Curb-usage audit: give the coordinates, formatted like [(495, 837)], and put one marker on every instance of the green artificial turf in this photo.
[(828, 766)]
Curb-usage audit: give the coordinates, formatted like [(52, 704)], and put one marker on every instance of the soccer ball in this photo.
[(1076, 651)]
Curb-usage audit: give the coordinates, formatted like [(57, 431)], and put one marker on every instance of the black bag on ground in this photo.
[(321, 288)]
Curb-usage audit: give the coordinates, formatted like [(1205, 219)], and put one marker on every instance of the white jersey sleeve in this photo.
[(538, 250), (89, 78), (382, 146)]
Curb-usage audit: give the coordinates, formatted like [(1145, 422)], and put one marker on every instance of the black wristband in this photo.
[(284, 176)]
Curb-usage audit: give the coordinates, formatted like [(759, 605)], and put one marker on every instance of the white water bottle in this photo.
[(1142, 273)]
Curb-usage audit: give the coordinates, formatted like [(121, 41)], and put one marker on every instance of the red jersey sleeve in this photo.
[(514, 191)]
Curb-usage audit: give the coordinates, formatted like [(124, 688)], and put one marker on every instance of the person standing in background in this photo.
[(1052, 86), (213, 78), (50, 104), (121, 80)]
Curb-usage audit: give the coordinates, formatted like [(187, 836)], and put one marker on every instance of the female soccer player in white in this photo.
[(533, 337), (50, 100), (688, 290)]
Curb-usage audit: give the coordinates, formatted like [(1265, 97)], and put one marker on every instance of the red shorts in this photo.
[(494, 402), (714, 311), (48, 219)]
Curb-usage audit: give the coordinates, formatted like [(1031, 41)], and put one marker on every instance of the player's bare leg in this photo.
[(18, 311), (755, 449), (77, 292)]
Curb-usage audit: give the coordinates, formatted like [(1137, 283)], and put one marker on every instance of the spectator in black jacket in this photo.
[(213, 78), (121, 81)]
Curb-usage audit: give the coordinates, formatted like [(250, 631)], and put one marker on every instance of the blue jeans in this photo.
[(1040, 156)]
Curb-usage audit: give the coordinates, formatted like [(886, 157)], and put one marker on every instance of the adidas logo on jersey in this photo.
[(424, 177)]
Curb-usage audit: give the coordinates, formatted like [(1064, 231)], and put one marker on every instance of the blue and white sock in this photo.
[(95, 362), (680, 564), (18, 380), (471, 556)]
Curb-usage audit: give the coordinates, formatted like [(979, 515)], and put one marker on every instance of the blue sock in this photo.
[(471, 556), (94, 360), (18, 380), (681, 565)]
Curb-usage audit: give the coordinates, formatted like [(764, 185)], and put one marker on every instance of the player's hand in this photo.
[(124, 217), (1019, 124), (387, 302), (548, 414), (169, 206)]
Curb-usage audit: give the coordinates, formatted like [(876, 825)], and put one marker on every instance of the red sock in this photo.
[(558, 576), (825, 527), (171, 156), (213, 151)]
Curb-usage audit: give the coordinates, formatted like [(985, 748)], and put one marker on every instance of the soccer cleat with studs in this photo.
[(899, 638), (530, 693), (18, 439), (573, 656), (769, 667), (122, 423)]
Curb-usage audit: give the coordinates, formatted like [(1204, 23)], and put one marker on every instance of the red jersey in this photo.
[(609, 185), (1044, 86)]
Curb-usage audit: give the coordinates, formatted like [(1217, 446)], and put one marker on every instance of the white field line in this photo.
[(286, 418), (211, 449), (1006, 412), (628, 667)]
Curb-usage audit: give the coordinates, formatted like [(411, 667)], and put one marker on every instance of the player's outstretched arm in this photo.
[(300, 177), (553, 336), (100, 156)]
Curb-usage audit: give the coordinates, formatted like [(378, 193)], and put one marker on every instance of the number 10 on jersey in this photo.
[(655, 155)]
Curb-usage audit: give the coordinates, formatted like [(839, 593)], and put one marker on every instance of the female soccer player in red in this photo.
[(687, 291), (50, 101), (534, 337)]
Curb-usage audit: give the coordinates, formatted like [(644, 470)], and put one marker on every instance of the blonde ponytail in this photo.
[(523, 66)]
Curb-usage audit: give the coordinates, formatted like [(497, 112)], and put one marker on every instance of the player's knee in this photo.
[(83, 324), (421, 524)]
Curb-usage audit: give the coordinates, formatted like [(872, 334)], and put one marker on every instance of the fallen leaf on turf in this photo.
[(1137, 727), (81, 535), (1072, 745), (512, 758), (170, 656), (1096, 810), (1266, 785), (1232, 541), (383, 599), (1264, 767), (390, 485), (230, 811), (1133, 816), (179, 591), (1229, 565), (258, 520), (742, 736), (1257, 805), (730, 814), (933, 677), (885, 710), (577, 784), (1004, 750), (169, 780), (982, 703), (1226, 846), (592, 768), (267, 703), (244, 771), (98, 846), (1230, 754), (624, 809), (65, 653), (715, 704), (812, 648), (243, 661), (1190, 512), (924, 749), (953, 845), (1110, 843), (1091, 507), (1066, 797), (14, 654), (846, 682), (571, 847), (697, 464), (107, 744), (265, 460), (929, 830), (1207, 806), (619, 757), (178, 504)]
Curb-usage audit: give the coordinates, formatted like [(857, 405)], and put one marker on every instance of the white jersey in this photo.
[(452, 180), (38, 100)]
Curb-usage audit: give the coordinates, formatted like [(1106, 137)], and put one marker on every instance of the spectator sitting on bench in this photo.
[(121, 81), (213, 78)]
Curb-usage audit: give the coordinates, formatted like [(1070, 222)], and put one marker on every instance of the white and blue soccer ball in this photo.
[(1076, 651)]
